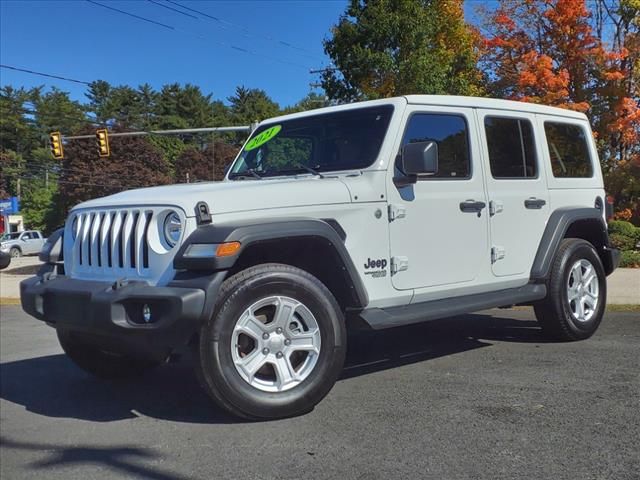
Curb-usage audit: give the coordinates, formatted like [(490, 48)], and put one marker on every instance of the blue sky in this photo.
[(77, 39)]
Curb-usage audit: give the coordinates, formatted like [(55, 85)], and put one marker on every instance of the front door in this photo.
[(438, 226), (518, 196)]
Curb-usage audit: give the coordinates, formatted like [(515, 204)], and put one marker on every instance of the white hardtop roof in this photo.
[(442, 100), (492, 103)]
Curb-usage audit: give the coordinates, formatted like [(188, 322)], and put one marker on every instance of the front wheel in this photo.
[(275, 344), (577, 293), (15, 252)]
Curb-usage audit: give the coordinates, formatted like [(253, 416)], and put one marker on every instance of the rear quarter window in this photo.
[(568, 150)]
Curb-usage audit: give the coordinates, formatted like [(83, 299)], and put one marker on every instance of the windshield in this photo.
[(345, 140), (9, 236)]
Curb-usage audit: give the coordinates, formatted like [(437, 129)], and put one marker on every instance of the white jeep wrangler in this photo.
[(391, 212)]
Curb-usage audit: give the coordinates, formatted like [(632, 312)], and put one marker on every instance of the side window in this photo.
[(450, 132), (569, 150), (26, 236), (35, 235), (512, 152)]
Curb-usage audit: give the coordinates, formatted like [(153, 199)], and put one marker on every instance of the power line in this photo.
[(132, 15), (173, 9), (246, 31), (200, 37), (32, 72)]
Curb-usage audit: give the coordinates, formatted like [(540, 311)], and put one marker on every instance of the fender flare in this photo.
[(258, 231), (559, 223)]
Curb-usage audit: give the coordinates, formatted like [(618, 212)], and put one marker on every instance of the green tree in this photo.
[(185, 107), (11, 169), (17, 130), (251, 104), (383, 48), (37, 203), (99, 104), (57, 112), (310, 102)]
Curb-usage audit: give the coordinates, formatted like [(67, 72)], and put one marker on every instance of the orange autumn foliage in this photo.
[(547, 51)]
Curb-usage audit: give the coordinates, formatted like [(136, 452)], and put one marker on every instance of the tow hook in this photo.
[(118, 284)]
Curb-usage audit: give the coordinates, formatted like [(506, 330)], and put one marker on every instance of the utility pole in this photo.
[(213, 157), (46, 179)]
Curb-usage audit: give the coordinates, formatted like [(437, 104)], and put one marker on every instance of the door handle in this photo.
[(534, 203), (471, 206)]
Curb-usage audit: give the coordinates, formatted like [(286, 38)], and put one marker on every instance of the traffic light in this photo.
[(102, 140), (56, 145)]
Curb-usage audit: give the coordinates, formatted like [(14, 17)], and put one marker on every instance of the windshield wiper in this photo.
[(309, 169), (250, 171)]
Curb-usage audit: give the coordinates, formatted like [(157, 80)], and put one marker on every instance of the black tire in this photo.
[(99, 363), (554, 313), (15, 252), (216, 369)]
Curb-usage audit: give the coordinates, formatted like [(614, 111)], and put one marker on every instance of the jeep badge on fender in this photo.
[(376, 263), (490, 203)]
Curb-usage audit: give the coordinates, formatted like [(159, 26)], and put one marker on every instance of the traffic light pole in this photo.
[(242, 128)]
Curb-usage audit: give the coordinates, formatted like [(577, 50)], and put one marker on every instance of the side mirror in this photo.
[(420, 159)]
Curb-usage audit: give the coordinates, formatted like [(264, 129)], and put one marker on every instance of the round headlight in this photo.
[(172, 228)]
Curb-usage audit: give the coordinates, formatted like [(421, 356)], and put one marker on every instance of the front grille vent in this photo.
[(112, 239)]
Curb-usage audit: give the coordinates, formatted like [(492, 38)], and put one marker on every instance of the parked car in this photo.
[(382, 213), (29, 242), (5, 260)]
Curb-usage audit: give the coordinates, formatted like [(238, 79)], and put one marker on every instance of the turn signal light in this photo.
[(227, 249)]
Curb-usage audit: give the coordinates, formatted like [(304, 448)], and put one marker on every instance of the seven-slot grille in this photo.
[(111, 240)]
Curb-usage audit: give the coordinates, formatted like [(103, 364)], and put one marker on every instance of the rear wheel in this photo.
[(577, 293), (100, 363), (275, 344)]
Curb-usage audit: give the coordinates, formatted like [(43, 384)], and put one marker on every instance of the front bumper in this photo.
[(111, 317)]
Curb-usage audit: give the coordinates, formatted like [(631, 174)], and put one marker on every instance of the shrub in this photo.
[(622, 242), (630, 259), (623, 228)]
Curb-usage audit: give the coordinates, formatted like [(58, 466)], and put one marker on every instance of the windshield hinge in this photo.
[(203, 215)]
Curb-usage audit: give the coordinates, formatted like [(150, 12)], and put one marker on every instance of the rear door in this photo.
[(518, 195)]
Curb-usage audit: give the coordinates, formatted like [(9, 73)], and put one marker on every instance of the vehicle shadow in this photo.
[(54, 387), (372, 351), (121, 460)]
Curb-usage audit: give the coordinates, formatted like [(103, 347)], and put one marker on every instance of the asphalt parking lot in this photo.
[(473, 397)]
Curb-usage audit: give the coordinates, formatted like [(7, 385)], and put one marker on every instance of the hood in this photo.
[(233, 196)]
